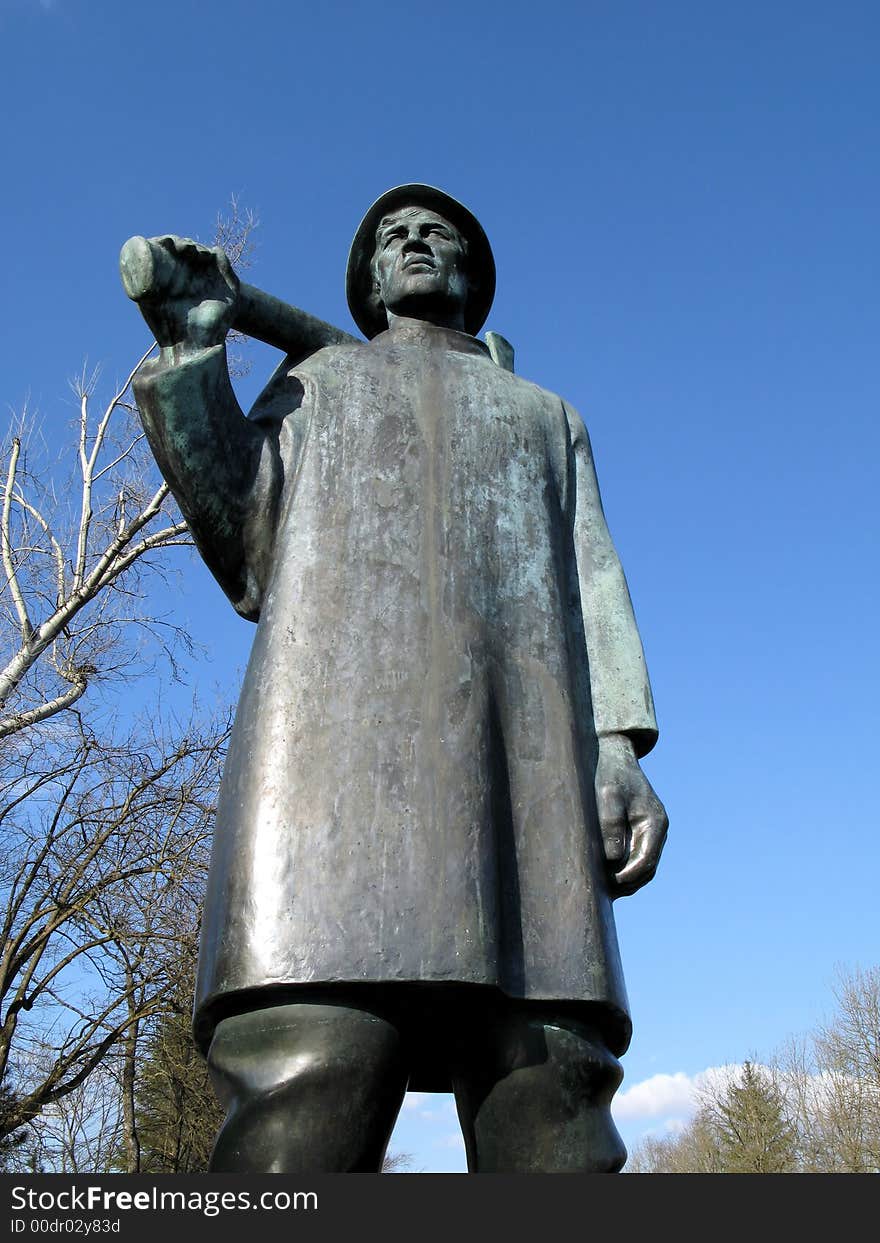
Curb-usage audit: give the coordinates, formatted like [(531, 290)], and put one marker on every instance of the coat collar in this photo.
[(429, 336)]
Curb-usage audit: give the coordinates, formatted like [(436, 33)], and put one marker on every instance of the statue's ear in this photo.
[(376, 305)]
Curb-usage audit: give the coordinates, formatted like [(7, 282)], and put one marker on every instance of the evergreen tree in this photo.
[(177, 1116), (11, 1138), (752, 1133)]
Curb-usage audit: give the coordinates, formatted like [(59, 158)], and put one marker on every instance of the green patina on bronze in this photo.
[(432, 794)]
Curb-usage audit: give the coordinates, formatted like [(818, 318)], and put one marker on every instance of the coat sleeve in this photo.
[(223, 469), (621, 691)]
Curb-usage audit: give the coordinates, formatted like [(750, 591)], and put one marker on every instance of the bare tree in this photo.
[(694, 1149), (234, 232), (848, 1054), (832, 1080), (103, 822), (83, 543), (80, 1133), (73, 597), (104, 856), (814, 1109), (399, 1163)]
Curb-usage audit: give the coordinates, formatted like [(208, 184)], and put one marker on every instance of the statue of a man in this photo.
[(432, 794)]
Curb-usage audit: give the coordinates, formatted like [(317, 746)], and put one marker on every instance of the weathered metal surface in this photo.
[(148, 269), (432, 792), (409, 790)]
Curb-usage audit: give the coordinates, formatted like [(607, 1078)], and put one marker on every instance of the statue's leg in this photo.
[(533, 1095), (309, 1088)]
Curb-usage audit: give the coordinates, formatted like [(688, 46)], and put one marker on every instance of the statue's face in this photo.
[(419, 265)]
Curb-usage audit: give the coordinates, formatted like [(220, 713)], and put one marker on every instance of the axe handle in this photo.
[(147, 270), (267, 318)]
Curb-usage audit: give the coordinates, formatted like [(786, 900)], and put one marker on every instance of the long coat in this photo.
[(444, 628)]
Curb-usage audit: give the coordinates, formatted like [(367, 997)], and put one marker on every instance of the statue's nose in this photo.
[(415, 242)]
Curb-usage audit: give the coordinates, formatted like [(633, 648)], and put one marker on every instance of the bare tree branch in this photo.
[(99, 895), (46, 613), (8, 562), (104, 826)]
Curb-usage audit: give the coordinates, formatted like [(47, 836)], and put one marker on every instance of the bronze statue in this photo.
[(432, 794)]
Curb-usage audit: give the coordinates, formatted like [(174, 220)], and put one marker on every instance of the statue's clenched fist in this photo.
[(632, 819), (186, 292)]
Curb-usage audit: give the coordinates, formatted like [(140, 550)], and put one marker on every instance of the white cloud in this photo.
[(667, 1096), (655, 1097)]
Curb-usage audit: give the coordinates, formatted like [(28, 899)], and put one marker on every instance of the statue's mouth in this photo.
[(416, 261)]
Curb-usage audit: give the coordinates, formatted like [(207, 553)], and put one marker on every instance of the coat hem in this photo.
[(433, 1016)]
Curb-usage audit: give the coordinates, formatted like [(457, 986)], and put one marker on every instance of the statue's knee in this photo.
[(300, 1049), (306, 1087), (570, 1053), (537, 1098), (587, 1068)]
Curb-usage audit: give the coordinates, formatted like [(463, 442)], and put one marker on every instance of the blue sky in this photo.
[(683, 202)]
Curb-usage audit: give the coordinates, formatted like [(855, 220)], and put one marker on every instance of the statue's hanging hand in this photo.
[(186, 292), (632, 819)]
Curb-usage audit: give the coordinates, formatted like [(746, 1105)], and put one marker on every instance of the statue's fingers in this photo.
[(648, 839), (225, 267), (190, 251), (204, 256), (185, 250), (170, 242), (640, 867), (174, 260), (613, 823)]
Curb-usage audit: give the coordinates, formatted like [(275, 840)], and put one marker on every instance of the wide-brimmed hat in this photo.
[(367, 311)]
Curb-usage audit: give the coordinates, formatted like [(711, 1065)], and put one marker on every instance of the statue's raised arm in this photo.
[(223, 468)]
